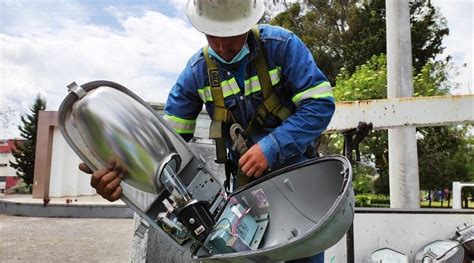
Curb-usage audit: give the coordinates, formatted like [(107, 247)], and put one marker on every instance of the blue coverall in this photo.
[(296, 79)]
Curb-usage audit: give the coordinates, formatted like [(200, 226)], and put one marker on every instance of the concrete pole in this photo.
[(403, 156), (457, 202)]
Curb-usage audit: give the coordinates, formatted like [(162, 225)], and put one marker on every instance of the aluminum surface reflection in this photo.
[(117, 128)]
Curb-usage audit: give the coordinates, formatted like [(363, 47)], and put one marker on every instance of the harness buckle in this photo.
[(239, 142)]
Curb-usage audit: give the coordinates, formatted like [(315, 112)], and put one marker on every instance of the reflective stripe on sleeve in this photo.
[(205, 94), (275, 75), (321, 90), (180, 125), (252, 84), (229, 87)]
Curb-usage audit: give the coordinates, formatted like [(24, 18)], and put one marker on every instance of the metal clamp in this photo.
[(141, 229), (76, 89), (239, 141)]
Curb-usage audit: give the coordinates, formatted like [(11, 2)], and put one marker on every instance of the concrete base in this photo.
[(79, 207)]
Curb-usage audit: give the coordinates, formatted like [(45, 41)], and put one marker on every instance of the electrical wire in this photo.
[(226, 197), (225, 228), (445, 253), (166, 228), (235, 226), (182, 239)]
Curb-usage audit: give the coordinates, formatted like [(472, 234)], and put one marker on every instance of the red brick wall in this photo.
[(8, 146), (10, 181)]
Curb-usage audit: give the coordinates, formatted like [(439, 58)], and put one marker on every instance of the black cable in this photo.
[(445, 253)]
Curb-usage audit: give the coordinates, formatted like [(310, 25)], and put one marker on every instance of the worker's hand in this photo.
[(253, 162), (106, 181), (83, 167)]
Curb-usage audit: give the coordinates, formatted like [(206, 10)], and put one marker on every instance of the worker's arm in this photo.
[(312, 95), (288, 140), (184, 104)]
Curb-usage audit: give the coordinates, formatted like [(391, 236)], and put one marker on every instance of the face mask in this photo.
[(242, 53)]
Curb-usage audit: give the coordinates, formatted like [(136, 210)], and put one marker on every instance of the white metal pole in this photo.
[(457, 191), (403, 156), (457, 202)]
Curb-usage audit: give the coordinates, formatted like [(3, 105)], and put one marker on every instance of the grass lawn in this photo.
[(435, 204), (383, 201)]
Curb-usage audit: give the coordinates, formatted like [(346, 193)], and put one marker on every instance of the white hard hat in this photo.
[(224, 18)]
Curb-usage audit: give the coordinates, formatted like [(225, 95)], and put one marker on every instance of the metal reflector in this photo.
[(300, 210), (441, 251), (386, 255)]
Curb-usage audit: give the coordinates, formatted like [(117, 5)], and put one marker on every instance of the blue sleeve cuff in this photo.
[(270, 148)]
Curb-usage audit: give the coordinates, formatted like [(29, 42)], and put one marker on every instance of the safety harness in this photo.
[(270, 106)]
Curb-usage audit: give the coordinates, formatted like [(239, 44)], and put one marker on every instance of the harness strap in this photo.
[(270, 106), (271, 103), (221, 113)]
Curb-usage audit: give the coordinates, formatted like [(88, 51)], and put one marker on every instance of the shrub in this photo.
[(372, 200), (21, 188)]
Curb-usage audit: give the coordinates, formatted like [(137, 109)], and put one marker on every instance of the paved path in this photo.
[(57, 240), (76, 200)]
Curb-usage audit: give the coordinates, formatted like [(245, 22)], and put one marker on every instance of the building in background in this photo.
[(8, 177)]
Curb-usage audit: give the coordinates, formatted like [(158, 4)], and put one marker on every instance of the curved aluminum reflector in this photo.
[(386, 255)]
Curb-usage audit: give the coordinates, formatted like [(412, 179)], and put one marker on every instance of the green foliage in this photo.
[(24, 152), (372, 200), (445, 153), (432, 79), (428, 27), (369, 81), (381, 185), (21, 188), (345, 34), (444, 156), (348, 40), (363, 182)]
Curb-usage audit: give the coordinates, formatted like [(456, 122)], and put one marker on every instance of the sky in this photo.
[(140, 44)]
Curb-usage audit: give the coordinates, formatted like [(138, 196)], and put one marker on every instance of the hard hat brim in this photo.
[(220, 28)]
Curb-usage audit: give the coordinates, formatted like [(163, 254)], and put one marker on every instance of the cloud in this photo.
[(45, 45), (179, 5), (146, 54), (459, 43)]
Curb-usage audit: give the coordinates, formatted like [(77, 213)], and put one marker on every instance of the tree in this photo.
[(347, 33), (363, 183), (24, 152), (348, 40), (444, 153), (369, 81)]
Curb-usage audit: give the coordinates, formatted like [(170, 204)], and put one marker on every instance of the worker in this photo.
[(261, 78)]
